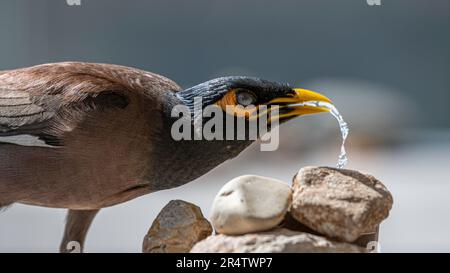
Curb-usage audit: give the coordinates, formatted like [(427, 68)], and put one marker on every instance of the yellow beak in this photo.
[(295, 102)]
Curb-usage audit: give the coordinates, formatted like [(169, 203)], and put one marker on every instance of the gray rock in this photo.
[(250, 203), (176, 229), (342, 204), (274, 241)]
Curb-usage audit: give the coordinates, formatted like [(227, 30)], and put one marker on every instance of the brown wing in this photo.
[(50, 100), (18, 112)]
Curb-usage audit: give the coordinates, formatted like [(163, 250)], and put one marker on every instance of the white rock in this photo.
[(250, 203)]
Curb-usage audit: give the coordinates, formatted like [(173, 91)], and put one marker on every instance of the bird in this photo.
[(100, 134)]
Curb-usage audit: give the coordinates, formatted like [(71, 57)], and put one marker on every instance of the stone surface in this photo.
[(176, 229), (342, 204), (274, 241), (289, 222), (367, 240), (250, 203)]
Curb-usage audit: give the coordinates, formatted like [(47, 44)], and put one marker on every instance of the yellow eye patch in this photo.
[(229, 104)]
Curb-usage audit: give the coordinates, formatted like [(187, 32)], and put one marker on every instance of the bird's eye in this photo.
[(245, 97)]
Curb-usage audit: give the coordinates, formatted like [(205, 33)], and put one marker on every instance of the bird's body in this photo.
[(102, 154), (107, 135), (107, 154)]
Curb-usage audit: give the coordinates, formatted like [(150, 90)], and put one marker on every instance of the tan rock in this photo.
[(289, 222), (367, 240), (342, 204), (176, 229), (274, 241), (250, 203)]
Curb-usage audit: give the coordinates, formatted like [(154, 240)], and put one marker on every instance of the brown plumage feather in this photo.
[(102, 116), (52, 98)]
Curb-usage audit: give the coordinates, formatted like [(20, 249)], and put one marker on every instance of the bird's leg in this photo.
[(77, 226)]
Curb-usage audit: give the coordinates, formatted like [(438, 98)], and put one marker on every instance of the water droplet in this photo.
[(342, 159)]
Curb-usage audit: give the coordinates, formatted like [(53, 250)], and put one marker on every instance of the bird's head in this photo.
[(230, 96), (241, 96)]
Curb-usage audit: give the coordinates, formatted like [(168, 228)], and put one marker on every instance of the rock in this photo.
[(367, 240), (274, 241), (291, 223), (250, 203), (342, 204), (177, 228)]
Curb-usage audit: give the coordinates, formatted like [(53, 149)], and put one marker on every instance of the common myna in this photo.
[(103, 134)]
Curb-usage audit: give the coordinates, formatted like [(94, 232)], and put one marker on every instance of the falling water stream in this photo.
[(343, 159)]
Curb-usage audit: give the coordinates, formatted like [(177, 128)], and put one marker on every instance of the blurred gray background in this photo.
[(385, 67)]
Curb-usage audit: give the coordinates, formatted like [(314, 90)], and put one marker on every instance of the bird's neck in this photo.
[(186, 160)]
